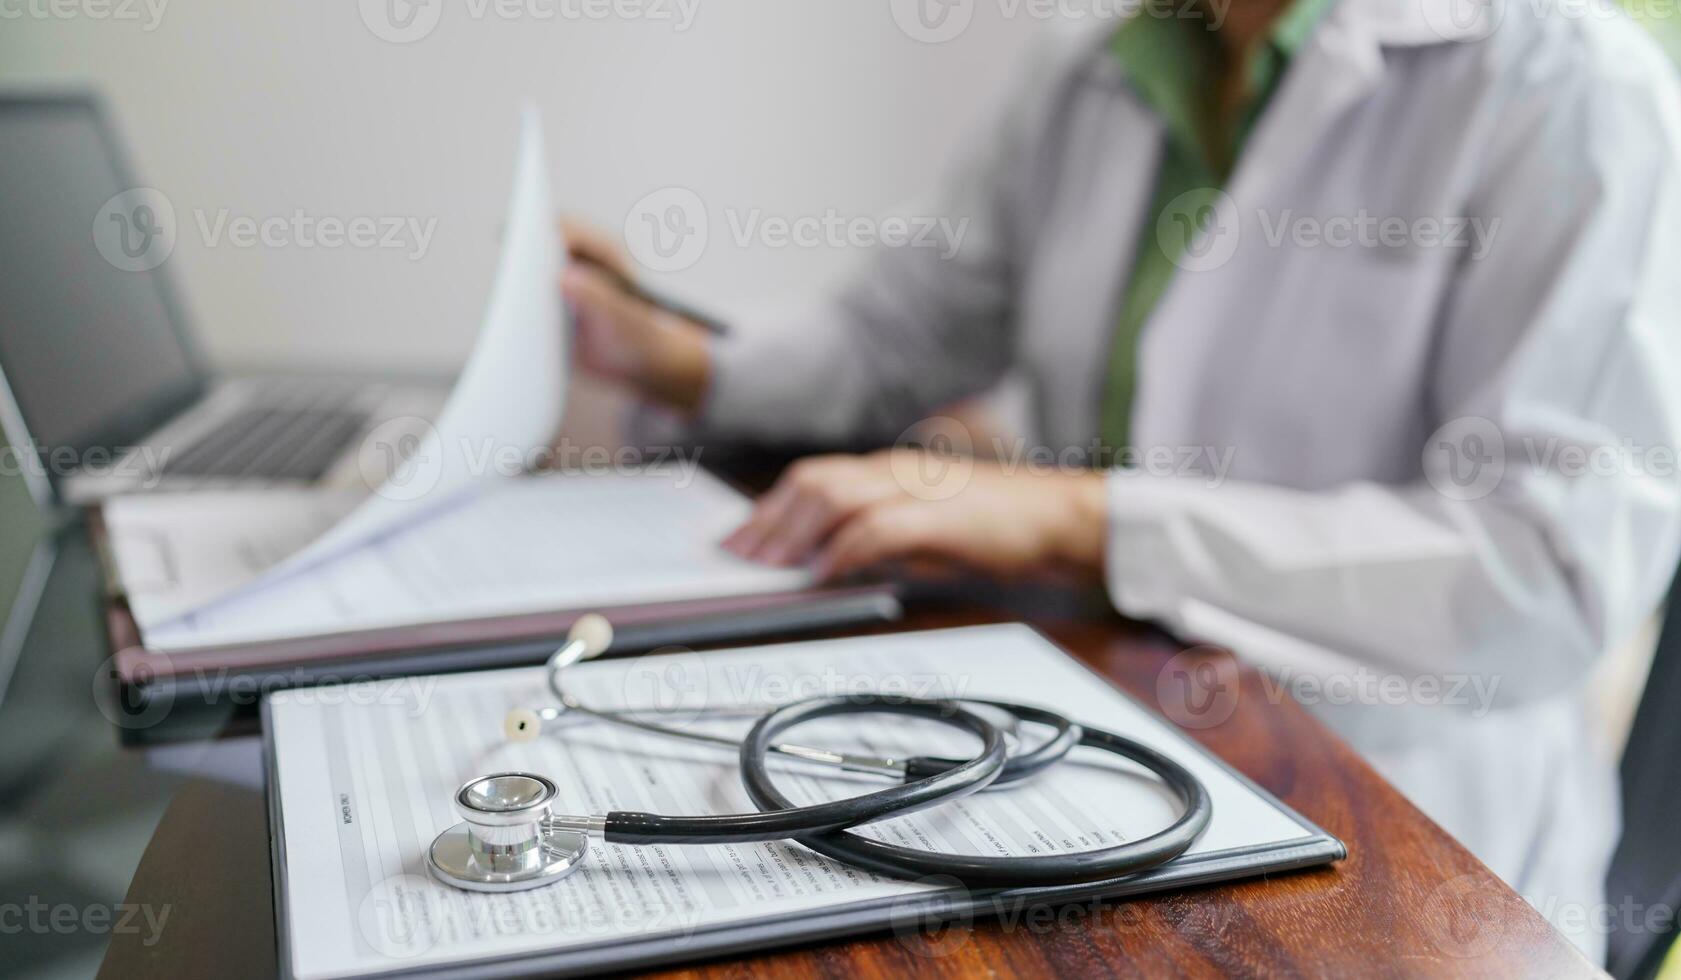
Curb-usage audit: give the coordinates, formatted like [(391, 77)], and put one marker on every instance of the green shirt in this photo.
[(1173, 64)]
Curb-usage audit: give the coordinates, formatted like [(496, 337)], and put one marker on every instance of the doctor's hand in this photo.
[(849, 513), (622, 338)]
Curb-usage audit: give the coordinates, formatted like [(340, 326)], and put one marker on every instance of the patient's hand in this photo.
[(847, 513), (622, 338)]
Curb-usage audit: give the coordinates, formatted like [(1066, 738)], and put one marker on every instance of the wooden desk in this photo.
[(1407, 901)]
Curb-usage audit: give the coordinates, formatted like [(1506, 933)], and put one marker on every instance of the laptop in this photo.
[(103, 389)]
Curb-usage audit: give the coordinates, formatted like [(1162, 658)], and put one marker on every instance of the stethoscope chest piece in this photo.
[(505, 841)]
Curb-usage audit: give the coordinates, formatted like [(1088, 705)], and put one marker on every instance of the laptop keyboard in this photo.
[(271, 442)]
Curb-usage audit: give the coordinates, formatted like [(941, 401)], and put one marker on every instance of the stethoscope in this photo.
[(510, 836)]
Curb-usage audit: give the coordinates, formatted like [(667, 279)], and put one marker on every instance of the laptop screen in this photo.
[(89, 342)]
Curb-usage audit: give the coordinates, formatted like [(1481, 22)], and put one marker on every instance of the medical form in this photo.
[(362, 779)]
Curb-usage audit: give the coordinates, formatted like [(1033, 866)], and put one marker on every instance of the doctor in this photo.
[(1363, 324)]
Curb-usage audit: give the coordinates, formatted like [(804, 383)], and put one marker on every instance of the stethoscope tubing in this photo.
[(927, 781), (790, 821), (824, 827), (1078, 867)]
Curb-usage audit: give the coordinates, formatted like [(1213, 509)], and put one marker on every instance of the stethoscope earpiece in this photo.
[(590, 636), (594, 632), (522, 725)]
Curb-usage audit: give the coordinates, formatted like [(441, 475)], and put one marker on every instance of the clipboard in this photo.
[(1304, 845)]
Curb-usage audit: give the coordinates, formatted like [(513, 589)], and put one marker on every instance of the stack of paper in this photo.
[(564, 541)]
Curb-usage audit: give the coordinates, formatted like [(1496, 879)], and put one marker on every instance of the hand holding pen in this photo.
[(628, 334)]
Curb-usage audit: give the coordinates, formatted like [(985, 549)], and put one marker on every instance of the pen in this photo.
[(674, 306)]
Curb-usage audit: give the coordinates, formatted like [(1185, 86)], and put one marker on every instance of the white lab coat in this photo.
[(1327, 549)]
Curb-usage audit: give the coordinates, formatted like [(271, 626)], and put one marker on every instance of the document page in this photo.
[(555, 542), (365, 778), (510, 394), (512, 390), (178, 551)]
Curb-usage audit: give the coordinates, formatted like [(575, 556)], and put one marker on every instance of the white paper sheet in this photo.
[(510, 394), (365, 778), (559, 541), (177, 551)]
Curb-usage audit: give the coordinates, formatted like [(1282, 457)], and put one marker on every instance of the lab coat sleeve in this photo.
[(920, 325), (1560, 350)]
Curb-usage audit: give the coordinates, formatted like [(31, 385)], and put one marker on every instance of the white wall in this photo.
[(262, 108)]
